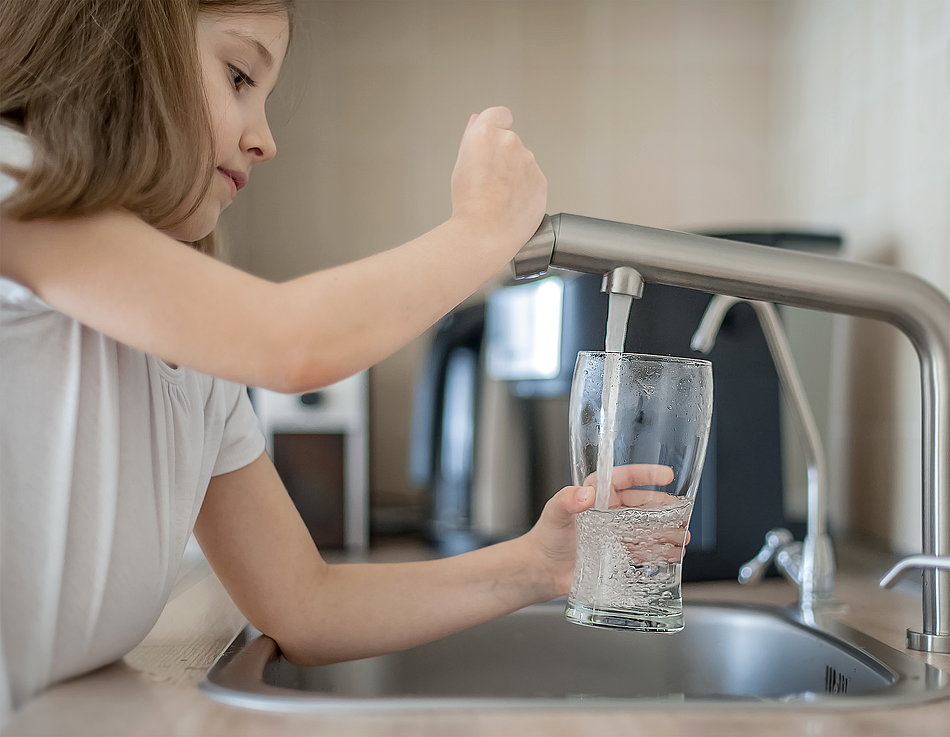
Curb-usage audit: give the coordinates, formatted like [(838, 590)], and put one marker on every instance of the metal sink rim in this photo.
[(237, 678)]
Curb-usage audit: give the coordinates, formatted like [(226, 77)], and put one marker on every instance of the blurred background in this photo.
[(698, 115)]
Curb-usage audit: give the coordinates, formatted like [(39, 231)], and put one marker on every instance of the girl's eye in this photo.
[(239, 78)]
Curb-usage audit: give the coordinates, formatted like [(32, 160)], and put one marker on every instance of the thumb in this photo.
[(568, 502), (498, 116)]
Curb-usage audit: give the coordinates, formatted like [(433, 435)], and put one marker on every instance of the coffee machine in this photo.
[(490, 429)]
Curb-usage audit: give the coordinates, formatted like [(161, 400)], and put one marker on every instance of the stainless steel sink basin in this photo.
[(534, 658)]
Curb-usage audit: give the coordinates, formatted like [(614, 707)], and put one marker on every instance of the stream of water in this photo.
[(618, 312)]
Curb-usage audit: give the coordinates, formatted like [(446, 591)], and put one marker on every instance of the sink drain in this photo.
[(835, 682)]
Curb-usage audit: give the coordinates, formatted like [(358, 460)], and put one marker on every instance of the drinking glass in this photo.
[(646, 420)]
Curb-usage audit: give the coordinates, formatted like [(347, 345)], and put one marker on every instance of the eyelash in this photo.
[(239, 78)]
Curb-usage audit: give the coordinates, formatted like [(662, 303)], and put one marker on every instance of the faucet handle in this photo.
[(937, 562), (775, 541)]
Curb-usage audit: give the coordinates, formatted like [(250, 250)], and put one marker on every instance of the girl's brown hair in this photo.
[(110, 94)]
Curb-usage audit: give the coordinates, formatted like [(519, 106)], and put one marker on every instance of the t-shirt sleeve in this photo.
[(242, 441), (15, 152)]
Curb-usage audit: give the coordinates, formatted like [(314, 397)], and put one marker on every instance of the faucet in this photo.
[(800, 279), (810, 564), (913, 561)]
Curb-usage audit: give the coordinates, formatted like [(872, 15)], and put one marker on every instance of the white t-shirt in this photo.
[(105, 457)]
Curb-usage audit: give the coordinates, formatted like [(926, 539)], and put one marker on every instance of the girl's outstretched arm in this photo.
[(118, 275), (319, 613)]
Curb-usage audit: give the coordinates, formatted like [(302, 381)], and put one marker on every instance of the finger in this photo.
[(472, 118), (642, 474), (568, 502), (653, 545), (500, 117), (639, 553), (636, 474), (658, 536), (644, 498)]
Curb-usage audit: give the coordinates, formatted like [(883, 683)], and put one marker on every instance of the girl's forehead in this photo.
[(269, 33)]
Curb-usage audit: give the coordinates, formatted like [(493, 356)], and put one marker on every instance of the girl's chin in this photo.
[(194, 228)]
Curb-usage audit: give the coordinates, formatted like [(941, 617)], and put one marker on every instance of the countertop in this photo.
[(153, 691)]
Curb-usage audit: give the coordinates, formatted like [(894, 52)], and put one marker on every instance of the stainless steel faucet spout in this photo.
[(623, 280), (799, 279)]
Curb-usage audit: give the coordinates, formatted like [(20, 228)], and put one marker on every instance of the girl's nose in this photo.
[(259, 141)]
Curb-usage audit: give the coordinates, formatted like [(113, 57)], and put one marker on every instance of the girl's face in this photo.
[(241, 55)]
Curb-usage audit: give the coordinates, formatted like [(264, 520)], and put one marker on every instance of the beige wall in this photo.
[(653, 112), (676, 113), (861, 140)]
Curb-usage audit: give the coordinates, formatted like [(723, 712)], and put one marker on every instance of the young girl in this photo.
[(127, 127)]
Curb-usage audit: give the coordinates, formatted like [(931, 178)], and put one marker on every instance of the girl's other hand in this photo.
[(497, 187), (551, 543)]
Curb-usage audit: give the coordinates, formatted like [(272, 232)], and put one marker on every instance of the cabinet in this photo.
[(319, 444)]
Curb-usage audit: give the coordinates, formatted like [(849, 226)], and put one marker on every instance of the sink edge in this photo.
[(236, 679)]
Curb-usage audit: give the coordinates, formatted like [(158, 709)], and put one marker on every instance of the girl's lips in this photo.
[(237, 178)]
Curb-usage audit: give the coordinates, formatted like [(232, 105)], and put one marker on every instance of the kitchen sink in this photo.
[(727, 654)]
